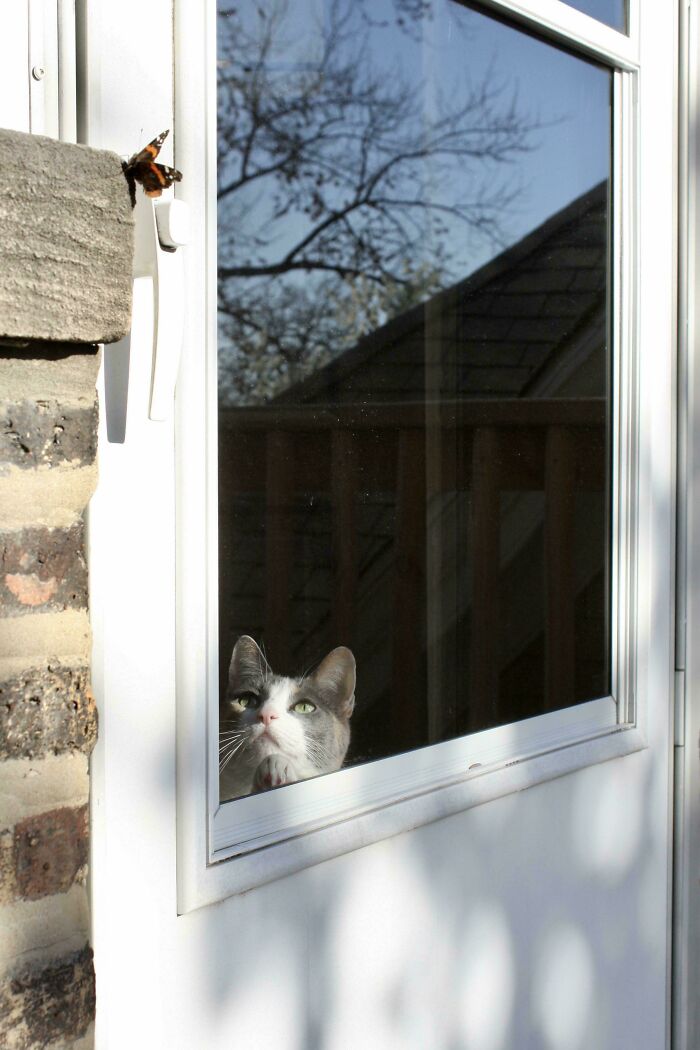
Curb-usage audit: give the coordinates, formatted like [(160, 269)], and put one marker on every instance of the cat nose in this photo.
[(266, 717)]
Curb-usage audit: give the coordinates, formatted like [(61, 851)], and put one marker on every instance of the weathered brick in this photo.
[(40, 1005), (47, 433), (50, 852), (43, 568), (35, 792), (48, 710)]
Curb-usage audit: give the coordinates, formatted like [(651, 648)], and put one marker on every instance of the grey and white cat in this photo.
[(275, 730)]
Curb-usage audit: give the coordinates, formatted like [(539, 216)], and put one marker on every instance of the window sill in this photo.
[(500, 762)]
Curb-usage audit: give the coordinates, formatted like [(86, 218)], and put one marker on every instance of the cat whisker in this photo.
[(224, 762), (228, 745), (318, 754), (315, 745), (234, 734), (305, 674), (225, 739), (263, 664), (232, 750)]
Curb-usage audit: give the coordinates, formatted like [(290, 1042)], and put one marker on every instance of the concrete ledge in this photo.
[(66, 255)]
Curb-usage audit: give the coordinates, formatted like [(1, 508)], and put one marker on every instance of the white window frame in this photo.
[(37, 52), (225, 849)]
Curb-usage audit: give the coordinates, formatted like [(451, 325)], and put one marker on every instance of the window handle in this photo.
[(162, 229)]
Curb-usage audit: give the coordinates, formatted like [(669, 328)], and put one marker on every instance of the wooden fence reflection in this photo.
[(414, 454)]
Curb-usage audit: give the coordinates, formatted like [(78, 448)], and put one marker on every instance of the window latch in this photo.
[(162, 229)]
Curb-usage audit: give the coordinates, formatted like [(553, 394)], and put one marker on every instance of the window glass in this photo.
[(612, 12), (414, 380)]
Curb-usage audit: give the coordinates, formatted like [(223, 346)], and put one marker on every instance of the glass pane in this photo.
[(414, 406), (612, 12)]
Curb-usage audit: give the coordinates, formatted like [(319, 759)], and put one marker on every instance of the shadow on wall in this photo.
[(461, 935), (116, 372)]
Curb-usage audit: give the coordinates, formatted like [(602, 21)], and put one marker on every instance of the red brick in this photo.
[(50, 852), (43, 569)]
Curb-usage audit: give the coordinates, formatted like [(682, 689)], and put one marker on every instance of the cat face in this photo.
[(276, 729)]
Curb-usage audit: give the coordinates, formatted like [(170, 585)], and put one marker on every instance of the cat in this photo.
[(275, 730)]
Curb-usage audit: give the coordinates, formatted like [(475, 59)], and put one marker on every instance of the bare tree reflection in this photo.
[(343, 182)]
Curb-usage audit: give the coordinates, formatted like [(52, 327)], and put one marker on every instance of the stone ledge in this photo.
[(66, 256)]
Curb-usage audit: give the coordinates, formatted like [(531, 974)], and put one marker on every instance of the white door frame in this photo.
[(152, 986), (686, 859), (127, 66)]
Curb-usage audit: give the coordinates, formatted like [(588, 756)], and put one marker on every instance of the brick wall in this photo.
[(65, 275), (48, 420)]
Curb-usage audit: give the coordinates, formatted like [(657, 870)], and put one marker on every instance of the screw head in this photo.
[(38, 72)]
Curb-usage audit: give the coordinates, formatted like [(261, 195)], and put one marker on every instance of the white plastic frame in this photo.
[(231, 848)]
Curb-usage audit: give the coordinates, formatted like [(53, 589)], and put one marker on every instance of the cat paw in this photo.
[(274, 771)]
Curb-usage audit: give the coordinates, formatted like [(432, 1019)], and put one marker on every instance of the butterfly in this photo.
[(153, 177)]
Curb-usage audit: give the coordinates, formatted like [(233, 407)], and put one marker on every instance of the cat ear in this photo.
[(335, 677), (248, 665)]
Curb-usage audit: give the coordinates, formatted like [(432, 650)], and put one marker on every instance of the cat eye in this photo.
[(304, 707), (245, 700)]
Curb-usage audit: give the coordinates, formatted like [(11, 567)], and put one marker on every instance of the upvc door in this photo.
[(522, 902)]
